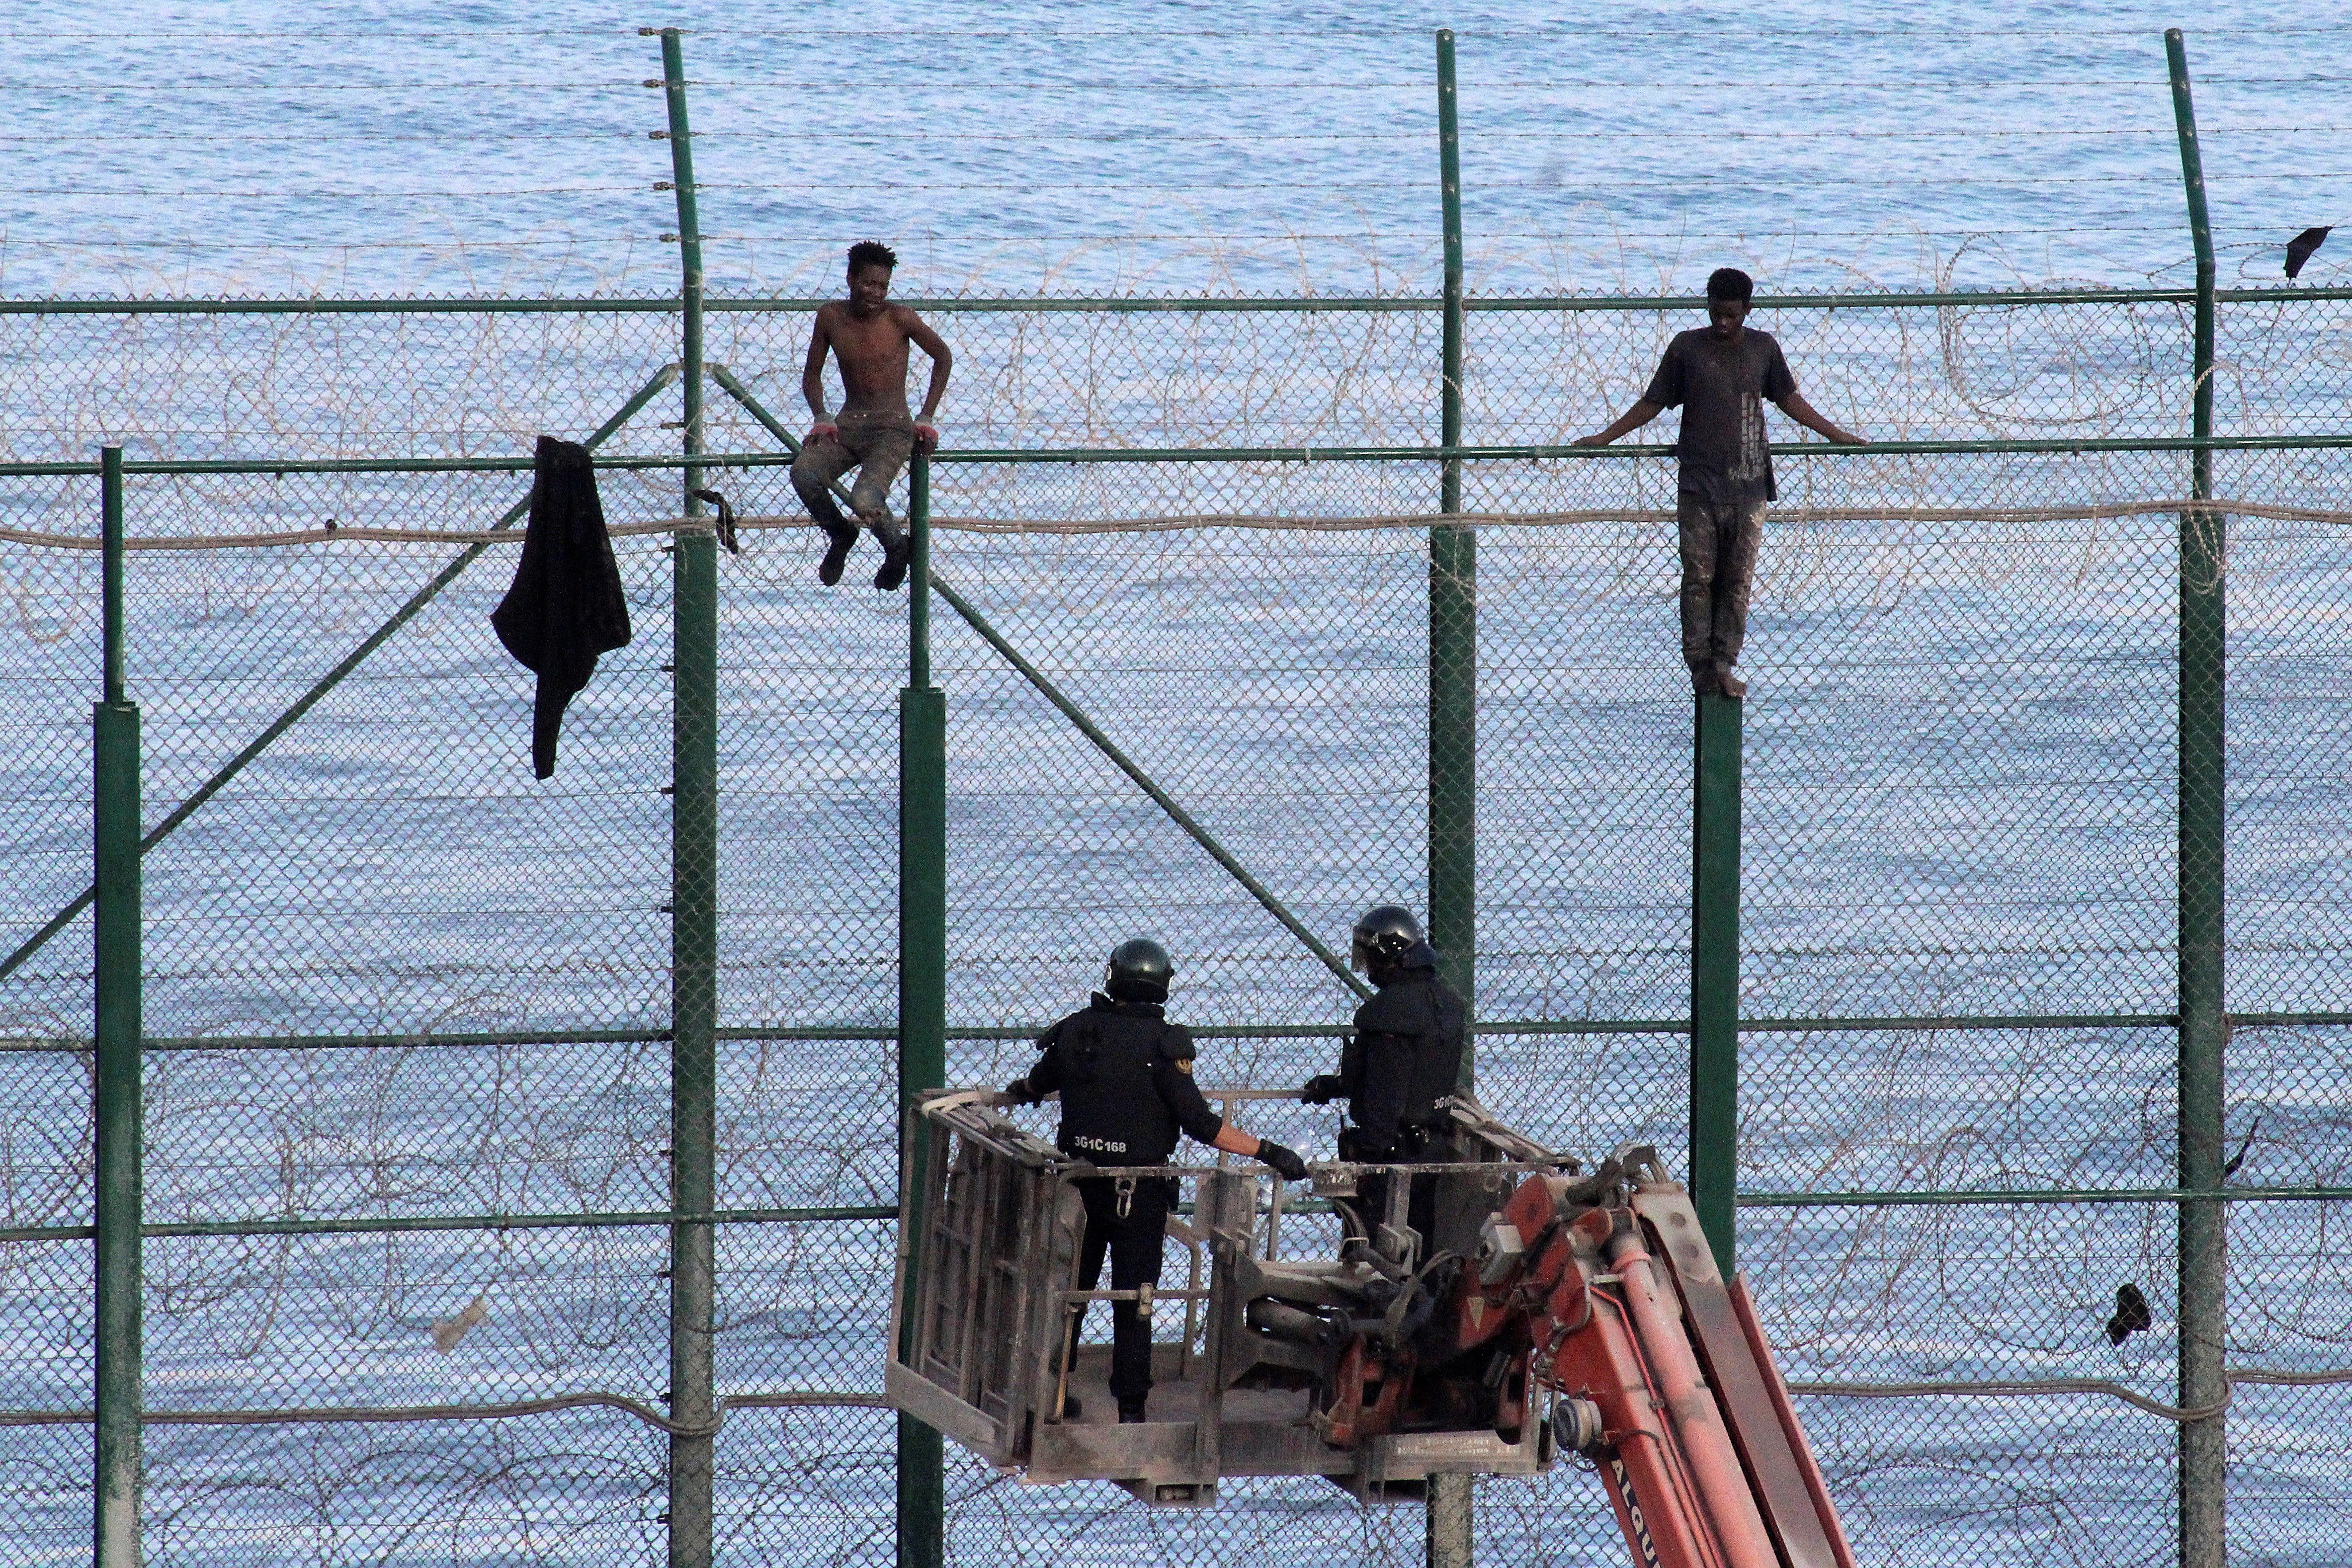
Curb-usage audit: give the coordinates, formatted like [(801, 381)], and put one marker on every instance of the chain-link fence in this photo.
[(407, 1010)]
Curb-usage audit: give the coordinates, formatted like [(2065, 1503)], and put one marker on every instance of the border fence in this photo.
[(406, 1163)]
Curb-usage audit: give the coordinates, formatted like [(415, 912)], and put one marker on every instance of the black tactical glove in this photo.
[(1285, 1161), (1020, 1093), (1322, 1089)]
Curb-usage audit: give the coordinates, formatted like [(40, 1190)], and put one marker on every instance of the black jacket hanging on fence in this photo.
[(565, 606)]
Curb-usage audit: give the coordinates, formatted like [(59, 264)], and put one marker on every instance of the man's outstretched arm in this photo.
[(919, 332), (1634, 418), (813, 377), (1795, 406)]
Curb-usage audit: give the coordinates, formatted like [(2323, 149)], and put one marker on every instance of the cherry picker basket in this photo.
[(990, 1232)]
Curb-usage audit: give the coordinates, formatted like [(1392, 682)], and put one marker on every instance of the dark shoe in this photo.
[(1131, 1412), (1071, 1408), (895, 555), (1726, 683), (836, 555)]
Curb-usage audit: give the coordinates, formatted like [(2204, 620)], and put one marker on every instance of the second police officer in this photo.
[(1125, 1076), (1404, 1056)]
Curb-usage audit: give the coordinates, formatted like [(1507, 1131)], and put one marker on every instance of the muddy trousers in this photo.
[(1718, 551), (877, 449), (1134, 1242)]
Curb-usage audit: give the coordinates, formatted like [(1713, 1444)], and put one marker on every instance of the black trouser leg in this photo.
[(1371, 1202), (1420, 1212), (1091, 1249), (1134, 1242)]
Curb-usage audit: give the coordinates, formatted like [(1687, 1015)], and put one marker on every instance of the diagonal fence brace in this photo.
[(327, 682), (1076, 715)]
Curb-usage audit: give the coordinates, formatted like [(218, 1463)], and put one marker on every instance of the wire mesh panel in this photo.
[(395, 983)]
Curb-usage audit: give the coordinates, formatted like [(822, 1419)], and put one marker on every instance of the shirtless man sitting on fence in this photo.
[(873, 433), (1721, 375)]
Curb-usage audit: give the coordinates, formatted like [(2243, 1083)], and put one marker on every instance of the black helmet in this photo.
[(1384, 936), (1139, 971)]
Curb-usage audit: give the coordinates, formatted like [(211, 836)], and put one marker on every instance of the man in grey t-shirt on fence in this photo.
[(1721, 376)]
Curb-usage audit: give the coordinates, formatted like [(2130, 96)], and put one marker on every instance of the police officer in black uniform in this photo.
[(1404, 1057), (1125, 1074)]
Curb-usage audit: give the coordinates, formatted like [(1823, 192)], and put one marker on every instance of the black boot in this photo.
[(1131, 1412), (894, 554), (836, 555)]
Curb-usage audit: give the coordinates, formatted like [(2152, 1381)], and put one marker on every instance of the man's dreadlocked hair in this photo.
[(872, 253)]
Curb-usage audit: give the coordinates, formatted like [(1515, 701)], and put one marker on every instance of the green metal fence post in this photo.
[(693, 905), (1715, 973), (922, 984), (1453, 617), (116, 1088), (2203, 1257), (1453, 844)]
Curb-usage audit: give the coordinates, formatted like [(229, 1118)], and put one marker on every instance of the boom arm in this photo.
[(1602, 1292)]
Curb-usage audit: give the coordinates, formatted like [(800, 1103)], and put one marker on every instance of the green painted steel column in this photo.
[(1453, 620), (2204, 1025), (693, 905), (1447, 1534), (922, 983), (117, 1091), (1715, 973)]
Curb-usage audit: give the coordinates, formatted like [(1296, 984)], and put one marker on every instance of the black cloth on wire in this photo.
[(565, 606), (726, 520)]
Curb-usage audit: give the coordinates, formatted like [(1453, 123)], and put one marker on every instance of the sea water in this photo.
[(1959, 771)]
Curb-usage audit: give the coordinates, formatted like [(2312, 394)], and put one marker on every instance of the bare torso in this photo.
[(872, 351), (870, 341)]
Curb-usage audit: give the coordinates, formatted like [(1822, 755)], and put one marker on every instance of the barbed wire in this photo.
[(853, 136), (359, 533), (850, 1399), (998, 86), (1759, 28)]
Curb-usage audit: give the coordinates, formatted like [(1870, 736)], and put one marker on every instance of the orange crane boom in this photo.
[(1602, 1293)]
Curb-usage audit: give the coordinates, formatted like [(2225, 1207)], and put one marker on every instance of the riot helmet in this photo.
[(1383, 937), (1139, 971)]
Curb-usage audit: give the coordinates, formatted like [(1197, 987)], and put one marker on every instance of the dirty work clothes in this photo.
[(1134, 1244), (565, 606), (1718, 549), (878, 445), (1722, 388)]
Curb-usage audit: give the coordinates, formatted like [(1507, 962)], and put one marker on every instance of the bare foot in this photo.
[(1726, 683)]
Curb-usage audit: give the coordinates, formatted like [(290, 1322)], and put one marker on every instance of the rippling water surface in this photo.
[(1161, 147), (1960, 774)]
